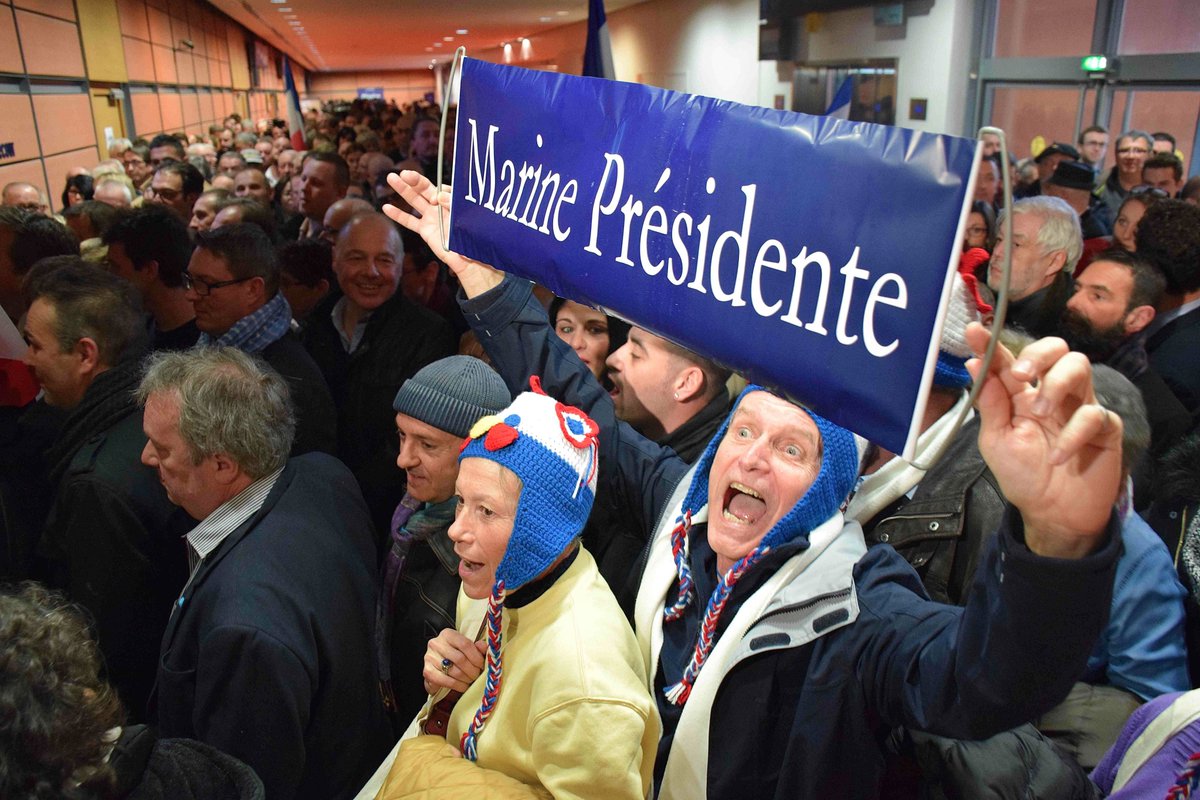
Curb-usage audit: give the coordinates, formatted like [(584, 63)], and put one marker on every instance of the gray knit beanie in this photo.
[(452, 394)]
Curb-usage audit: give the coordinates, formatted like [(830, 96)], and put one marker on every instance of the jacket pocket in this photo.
[(176, 700)]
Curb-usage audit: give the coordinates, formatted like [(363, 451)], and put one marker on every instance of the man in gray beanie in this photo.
[(435, 410)]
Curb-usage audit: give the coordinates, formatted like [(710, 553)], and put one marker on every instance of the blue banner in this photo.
[(370, 93), (810, 254)]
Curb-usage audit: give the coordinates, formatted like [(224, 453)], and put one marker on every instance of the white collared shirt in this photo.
[(208, 535)]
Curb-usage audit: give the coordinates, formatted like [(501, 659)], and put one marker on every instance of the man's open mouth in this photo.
[(742, 504)]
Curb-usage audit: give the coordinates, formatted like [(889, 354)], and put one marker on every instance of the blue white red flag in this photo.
[(597, 55), (840, 107), (295, 119)]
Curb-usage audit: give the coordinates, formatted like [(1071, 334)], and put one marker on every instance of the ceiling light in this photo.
[(284, 9), (437, 44), (279, 2), (428, 49), (561, 13), (461, 31)]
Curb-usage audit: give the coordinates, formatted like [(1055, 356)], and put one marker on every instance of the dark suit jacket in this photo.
[(1175, 355), (268, 654), (316, 417)]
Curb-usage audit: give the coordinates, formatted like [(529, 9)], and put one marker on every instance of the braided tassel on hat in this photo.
[(678, 694), (1188, 781), (495, 672), (679, 551)]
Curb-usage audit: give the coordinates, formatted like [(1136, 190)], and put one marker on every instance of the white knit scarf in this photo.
[(897, 477)]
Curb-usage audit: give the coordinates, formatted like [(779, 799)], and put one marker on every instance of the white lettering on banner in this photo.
[(533, 195)]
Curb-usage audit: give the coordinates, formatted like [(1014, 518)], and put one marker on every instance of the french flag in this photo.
[(295, 119), (840, 107), (597, 55)]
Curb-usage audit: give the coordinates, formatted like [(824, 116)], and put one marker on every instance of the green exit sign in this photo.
[(1094, 63)]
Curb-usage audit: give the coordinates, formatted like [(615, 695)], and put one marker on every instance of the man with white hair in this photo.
[(206, 151), (114, 193), (1047, 243)]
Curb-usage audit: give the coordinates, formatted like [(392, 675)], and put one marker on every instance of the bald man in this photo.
[(368, 339), (340, 213), (23, 195)]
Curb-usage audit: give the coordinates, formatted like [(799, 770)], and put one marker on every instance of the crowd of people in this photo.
[(295, 503)]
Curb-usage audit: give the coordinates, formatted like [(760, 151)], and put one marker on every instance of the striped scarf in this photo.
[(254, 332)]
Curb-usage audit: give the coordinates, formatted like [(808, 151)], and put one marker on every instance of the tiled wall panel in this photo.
[(64, 122), (51, 46), (10, 46)]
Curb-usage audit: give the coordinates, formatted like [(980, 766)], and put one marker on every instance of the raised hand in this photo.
[(1054, 450), (427, 203), (452, 661)]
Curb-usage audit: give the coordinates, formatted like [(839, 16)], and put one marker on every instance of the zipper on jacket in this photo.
[(840, 594)]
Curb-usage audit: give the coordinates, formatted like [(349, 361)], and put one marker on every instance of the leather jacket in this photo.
[(942, 529)]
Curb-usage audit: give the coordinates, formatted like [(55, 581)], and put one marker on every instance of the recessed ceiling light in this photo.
[(290, 16), (437, 44), (428, 49), (284, 9), (461, 31), (447, 38), (279, 2), (545, 19), (561, 13)]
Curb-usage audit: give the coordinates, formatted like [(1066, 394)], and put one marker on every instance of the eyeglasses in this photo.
[(975, 230), (204, 288), (1153, 191), (1137, 151)]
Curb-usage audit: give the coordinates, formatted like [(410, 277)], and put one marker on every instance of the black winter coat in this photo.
[(401, 337), (112, 543)]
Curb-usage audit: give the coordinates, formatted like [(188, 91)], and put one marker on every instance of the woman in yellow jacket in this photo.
[(561, 706)]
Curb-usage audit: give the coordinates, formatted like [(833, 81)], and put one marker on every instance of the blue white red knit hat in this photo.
[(835, 479), (966, 306), (553, 449)]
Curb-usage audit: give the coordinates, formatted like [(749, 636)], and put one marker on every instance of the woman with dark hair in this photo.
[(78, 189), (590, 333), (1132, 209), (981, 227), (62, 736)]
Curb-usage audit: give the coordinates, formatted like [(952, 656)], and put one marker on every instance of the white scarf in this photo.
[(897, 477)]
